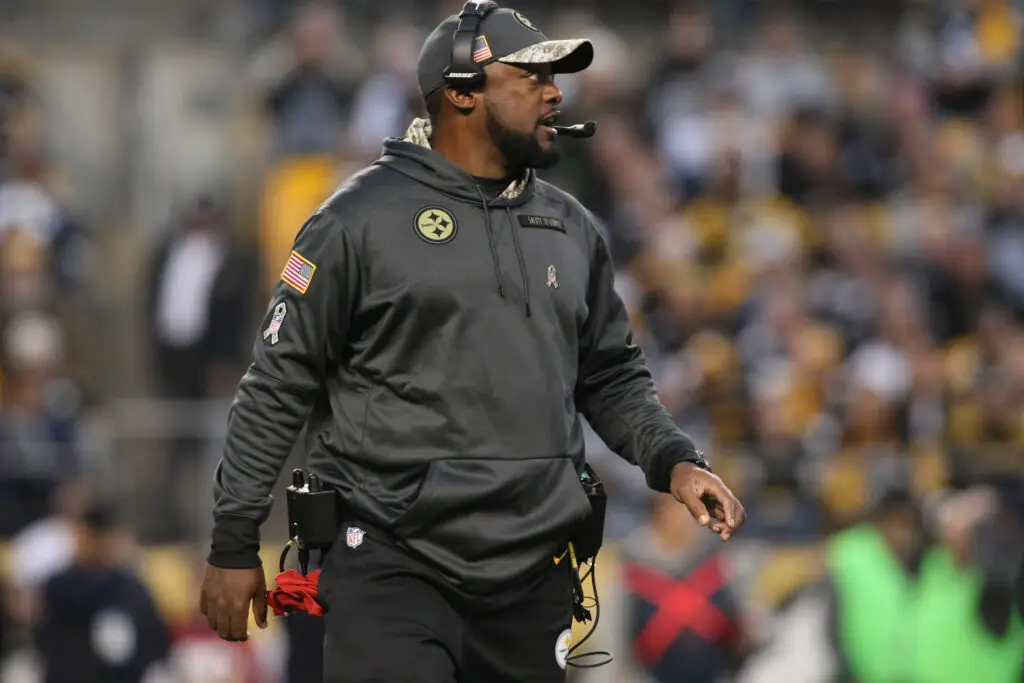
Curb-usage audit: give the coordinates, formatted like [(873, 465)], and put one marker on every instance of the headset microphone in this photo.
[(580, 130)]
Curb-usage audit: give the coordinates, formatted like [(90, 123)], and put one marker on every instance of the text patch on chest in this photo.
[(546, 222)]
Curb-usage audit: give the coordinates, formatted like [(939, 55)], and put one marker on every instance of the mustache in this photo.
[(550, 118)]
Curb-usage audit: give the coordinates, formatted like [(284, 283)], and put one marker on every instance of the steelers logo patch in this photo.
[(525, 22), (435, 225)]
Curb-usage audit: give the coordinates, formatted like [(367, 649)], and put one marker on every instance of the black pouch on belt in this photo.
[(313, 517), (590, 535)]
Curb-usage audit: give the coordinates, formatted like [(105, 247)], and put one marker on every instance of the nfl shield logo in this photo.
[(354, 537)]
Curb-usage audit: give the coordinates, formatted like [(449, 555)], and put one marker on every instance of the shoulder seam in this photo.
[(355, 242), (326, 206), (567, 200), (332, 213)]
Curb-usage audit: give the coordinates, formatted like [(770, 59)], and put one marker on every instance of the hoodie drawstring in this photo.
[(490, 240), (494, 251), (522, 261)]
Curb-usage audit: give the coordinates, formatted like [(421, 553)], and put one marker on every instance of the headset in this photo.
[(463, 73)]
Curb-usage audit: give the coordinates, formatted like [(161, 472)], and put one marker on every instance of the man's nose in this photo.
[(553, 95)]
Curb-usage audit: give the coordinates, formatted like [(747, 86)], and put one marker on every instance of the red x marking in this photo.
[(681, 605)]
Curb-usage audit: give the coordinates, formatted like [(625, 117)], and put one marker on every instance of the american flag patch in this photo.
[(481, 50), (298, 272)]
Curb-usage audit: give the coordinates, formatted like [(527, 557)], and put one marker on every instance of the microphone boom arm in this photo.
[(580, 130)]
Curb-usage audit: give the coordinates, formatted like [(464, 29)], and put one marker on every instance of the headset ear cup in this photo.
[(470, 19)]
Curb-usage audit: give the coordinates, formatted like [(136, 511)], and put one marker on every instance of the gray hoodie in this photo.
[(442, 348)]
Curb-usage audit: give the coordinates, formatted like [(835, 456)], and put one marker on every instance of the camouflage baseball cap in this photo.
[(506, 36)]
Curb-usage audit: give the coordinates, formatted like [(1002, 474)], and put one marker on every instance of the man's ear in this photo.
[(464, 101)]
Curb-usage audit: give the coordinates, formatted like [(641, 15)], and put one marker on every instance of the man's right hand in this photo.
[(225, 599)]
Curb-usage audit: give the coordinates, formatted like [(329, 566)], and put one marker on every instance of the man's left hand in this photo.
[(708, 499)]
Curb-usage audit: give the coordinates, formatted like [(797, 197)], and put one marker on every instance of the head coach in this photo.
[(444, 320)]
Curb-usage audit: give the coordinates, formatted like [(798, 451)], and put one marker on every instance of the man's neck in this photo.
[(476, 157)]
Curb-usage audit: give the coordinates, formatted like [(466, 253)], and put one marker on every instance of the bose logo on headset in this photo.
[(462, 71)]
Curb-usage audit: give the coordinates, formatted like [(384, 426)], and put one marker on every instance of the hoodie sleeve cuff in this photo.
[(659, 478), (235, 543)]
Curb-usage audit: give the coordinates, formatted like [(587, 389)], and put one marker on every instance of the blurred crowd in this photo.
[(43, 258), (817, 214)]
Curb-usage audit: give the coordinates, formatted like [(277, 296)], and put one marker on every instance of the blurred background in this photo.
[(817, 213)]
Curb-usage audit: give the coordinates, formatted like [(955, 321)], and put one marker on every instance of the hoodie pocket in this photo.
[(479, 508)]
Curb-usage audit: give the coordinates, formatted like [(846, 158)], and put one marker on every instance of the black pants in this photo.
[(391, 619)]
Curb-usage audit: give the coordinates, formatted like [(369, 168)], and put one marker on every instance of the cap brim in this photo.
[(564, 56)]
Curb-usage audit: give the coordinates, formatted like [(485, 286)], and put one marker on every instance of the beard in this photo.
[(520, 150)]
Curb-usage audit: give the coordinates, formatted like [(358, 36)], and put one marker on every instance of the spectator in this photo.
[(979, 42), (684, 621), (306, 80), (996, 550), (24, 278), (781, 74), (781, 496), (809, 167), (1006, 239), (884, 553), (45, 548), (40, 446), (199, 307), (198, 304), (17, 87), (847, 290), (34, 199), (386, 102), (98, 622), (909, 611)]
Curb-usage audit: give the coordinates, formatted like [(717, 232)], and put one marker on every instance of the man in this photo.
[(98, 622), (903, 609), (198, 304), (870, 568), (444, 319), (668, 564)]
